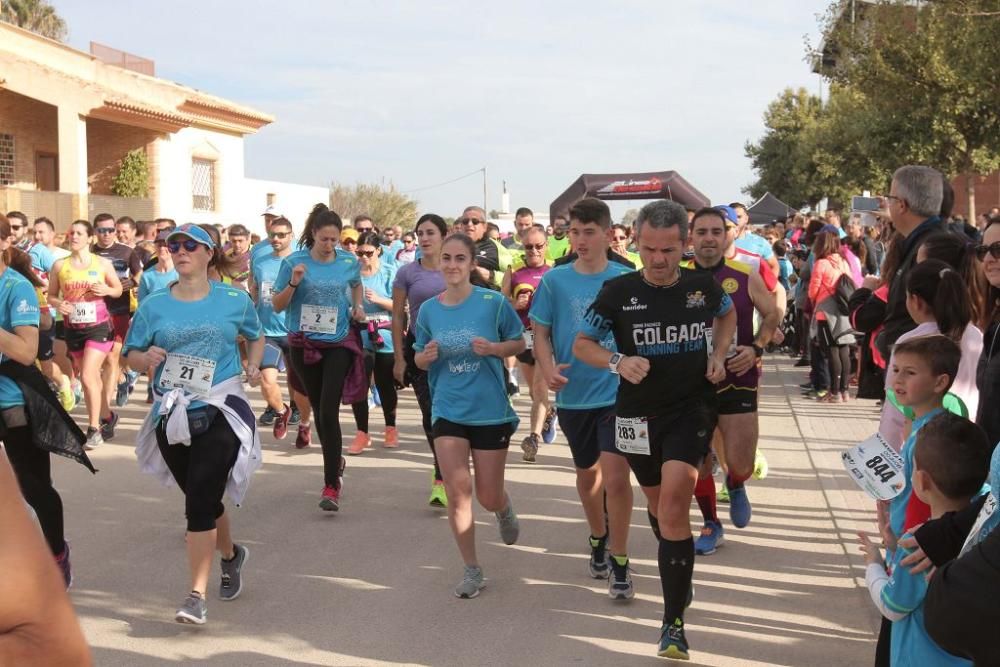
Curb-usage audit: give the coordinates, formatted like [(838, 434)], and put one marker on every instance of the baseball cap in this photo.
[(272, 210), (349, 234), (729, 213), (195, 233)]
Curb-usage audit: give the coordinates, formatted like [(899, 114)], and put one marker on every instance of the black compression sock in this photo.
[(654, 523), (676, 560)]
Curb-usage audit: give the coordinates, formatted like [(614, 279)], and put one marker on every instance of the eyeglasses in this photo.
[(278, 235), (537, 246), (190, 245), (363, 230), (16, 227), (471, 221), (992, 249), (620, 238), (105, 230), (889, 198), (346, 242), (365, 253)]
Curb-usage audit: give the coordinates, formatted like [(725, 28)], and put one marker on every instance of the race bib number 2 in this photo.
[(192, 374), (876, 468), (318, 319), (632, 435)]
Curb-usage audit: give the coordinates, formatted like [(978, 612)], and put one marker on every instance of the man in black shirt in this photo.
[(473, 223), (666, 409)]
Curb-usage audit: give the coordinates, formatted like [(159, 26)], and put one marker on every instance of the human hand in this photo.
[(253, 375), (870, 282), (298, 273), (556, 381), (483, 347), (716, 372), (744, 359), (155, 356), (633, 369), (522, 301), (873, 556)]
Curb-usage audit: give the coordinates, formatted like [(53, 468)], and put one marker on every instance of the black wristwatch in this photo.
[(758, 350)]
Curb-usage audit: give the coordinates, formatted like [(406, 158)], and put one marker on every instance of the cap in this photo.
[(729, 213), (833, 229), (195, 233), (272, 210), (349, 234)]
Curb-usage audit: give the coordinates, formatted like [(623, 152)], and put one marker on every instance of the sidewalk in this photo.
[(373, 583)]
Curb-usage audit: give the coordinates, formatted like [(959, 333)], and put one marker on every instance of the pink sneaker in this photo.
[(361, 441), (281, 423), (391, 437), (304, 438), (330, 500)]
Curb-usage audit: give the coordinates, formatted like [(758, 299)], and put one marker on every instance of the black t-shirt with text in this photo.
[(127, 266)]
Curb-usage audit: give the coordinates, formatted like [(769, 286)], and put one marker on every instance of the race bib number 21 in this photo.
[(192, 374)]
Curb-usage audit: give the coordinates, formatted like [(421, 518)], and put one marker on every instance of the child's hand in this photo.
[(873, 556), (888, 537)]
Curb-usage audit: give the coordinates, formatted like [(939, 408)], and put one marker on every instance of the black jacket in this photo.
[(612, 257), (988, 381)]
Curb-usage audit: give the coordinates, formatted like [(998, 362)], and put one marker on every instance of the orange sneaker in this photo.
[(391, 437), (361, 441)]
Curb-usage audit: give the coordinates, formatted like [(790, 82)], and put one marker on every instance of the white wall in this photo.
[(175, 153), (292, 200)]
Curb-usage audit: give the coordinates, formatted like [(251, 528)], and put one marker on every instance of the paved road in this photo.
[(373, 583)]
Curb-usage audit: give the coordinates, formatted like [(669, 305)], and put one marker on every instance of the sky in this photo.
[(419, 92)]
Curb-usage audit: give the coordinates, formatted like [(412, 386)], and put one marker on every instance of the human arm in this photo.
[(766, 303), (357, 302), (816, 279), (510, 332), (135, 271), (22, 344), (398, 323), (112, 286), (54, 297), (289, 278), (723, 328), (545, 358)]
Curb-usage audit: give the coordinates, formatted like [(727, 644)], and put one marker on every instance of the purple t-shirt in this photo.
[(419, 284)]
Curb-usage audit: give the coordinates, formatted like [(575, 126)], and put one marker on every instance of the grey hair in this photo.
[(922, 188), (474, 208), (663, 214)]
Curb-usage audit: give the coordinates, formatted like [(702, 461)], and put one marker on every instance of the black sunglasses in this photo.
[(993, 249), (365, 253), (105, 230), (539, 246), (189, 245), (278, 235), (471, 221)]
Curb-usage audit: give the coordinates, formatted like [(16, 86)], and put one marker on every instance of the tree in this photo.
[(133, 177), (493, 214), (34, 15), (382, 202)]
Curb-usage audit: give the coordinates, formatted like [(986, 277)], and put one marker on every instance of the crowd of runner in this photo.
[(642, 342)]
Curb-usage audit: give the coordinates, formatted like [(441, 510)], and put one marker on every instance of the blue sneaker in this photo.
[(712, 537), (121, 396), (673, 644), (131, 377), (549, 426), (739, 507)]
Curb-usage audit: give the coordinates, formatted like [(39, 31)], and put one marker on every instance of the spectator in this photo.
[(988, 373), (857, 232), (832, 330), (785, 268)]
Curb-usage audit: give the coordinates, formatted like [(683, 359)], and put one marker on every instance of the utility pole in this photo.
[(484, 189)]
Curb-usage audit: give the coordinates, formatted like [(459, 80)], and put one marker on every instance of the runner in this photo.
[(276, 351), (520, 287), (558, 240), (586, 396), (416, 283), (321, 289), (239, 250), (737, 394), (377, 278), (408, 253), (78, 286), (26, 402), (461, 338), (200, 432), (158, 277), (666, 400), (70, 390)]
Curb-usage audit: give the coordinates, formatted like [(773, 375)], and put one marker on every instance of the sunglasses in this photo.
[(620, 238), (992, 249), (190, 245), (365, 253), (538, 246), (105, 230), (348, 242), (364, 230), (278, 235), (471, 221)]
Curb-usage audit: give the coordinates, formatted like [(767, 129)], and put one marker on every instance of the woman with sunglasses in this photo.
[(200, 432), (415, 283), (377, 278), (78, 286), (462, 336), (519, 287), (408, 253), (988, 372), (619, 244), (321, 289)]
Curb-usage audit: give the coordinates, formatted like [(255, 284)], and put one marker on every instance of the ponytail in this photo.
[(321, 216), (958, 252), (944, 290), (226, 265)]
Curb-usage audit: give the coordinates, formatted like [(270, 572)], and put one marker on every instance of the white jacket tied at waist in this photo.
[(173, 405)]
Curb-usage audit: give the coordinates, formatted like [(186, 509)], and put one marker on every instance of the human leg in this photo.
[(453, 456), (32, 467)]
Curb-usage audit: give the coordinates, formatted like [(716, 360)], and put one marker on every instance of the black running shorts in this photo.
[(684, 434), (589, 432), (486, 436)]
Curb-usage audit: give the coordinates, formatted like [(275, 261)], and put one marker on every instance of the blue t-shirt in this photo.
[(897, 506), (465, 387), (910, 643), (18, 308), (379, 282), (42, 258), (206, 329), (325, 292), (785, 269), (265, 277), (756, 244), (559, 303), (153, 281)]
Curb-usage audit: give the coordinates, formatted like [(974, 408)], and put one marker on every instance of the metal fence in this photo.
[(123, 59), (56, 206), (135, 207)]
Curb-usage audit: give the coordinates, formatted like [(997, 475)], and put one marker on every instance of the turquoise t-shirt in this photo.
[(18, 308), (465, 387), (379, 282), (324, 295), (559, 303), (42, 258), (206, 329), (756, 244), (153, 281), (910, 643), (265, 277), (897, 506)]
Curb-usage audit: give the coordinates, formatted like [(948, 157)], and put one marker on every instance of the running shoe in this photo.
[(268, 416), (304, 438), (815, 394), (472, 583), (121, 396), (439, 497), (673, 644), (530, 447), (131, 377), (806, 385), (330, 500), (94, 439), (599, 566), (232, 573), (508, 524), (391, 438), (803, 362), (78, 391), (723, 494), (620, 581), (281, 423), (193, 610), (712, 537), (549, 426), (760, 467), (66, 398), (62, 560), (739, 507), (296, 417), (361, 441), (108, 426)]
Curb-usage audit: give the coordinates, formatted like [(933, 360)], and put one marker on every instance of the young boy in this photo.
[(951, 458)]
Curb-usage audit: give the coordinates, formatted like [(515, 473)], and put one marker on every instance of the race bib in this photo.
[(876, 468), (192, 374), (709, 346), (988, 509), (318, 319), (266, 291), (84, 312), (632, 435), (529, 339)]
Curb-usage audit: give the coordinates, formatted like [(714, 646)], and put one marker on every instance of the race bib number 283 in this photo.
[(632, 435)]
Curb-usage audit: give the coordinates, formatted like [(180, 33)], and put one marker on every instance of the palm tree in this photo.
[(34, 15)]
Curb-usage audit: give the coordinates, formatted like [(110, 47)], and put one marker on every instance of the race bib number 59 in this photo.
[(632, 435)]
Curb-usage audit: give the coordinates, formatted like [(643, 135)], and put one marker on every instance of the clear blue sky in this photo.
[(421, 92)]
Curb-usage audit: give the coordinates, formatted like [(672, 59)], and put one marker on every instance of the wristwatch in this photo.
[(613, 362), (758, 350)]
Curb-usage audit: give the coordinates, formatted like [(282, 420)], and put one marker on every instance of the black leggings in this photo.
[(32, 468), (202, 470), (380, 364), (324, 383), (422, 389)]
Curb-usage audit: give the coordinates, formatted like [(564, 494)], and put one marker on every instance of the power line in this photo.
[(454, 180)]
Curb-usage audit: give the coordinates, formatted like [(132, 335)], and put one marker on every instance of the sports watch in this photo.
[(758, 350), (613, 362)]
